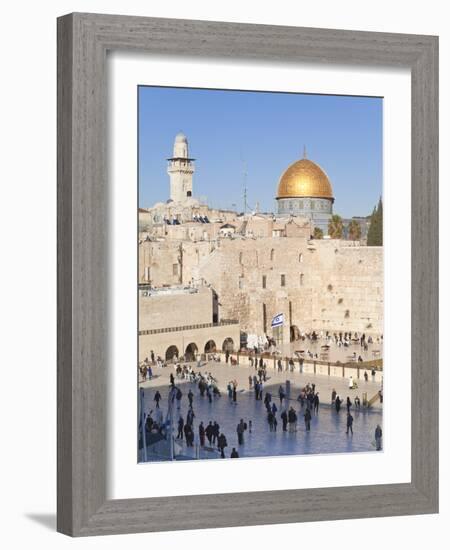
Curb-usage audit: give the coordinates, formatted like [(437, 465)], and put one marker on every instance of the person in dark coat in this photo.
[(157, 398), (180, 428), (349, 404), (307, 416), (378, 436), (187, 430), (281, 394), (234, 393), (201, 434), (284, 420), (178, 397), (190, 417), (292, 419), (221, 444), (172, 380), (316, 403), (191, 398), (215, 433), (337, 403), (240, 429), (234, 453), (349, 423), (270, 418), (209, 432)]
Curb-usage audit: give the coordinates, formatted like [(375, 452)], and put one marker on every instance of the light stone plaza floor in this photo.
[(328, 428)]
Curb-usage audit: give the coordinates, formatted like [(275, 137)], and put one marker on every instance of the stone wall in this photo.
[(175, 308), (333, 285)]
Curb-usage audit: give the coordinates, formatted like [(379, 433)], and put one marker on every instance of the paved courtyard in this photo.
[(328, 428)]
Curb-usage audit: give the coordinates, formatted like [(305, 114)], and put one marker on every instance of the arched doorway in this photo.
[(210, 346), (191, 352), (228, 344), (294, 333), (171, 353)]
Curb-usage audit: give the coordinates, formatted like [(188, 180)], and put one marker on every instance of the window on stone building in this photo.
[(241, 255), (301, 279), (300, 257), (264, 318), (283, 280), (147, 274), (272, 254), (175, 269), (264, 281), (241, 282)]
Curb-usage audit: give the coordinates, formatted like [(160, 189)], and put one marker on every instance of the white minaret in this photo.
[(180, 169)]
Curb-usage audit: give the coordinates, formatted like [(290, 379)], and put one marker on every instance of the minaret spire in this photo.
[(304, 151)]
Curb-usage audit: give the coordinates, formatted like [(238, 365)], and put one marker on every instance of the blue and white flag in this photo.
[(278, 320)]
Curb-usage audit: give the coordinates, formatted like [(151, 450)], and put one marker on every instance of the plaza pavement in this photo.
[(327, 428)]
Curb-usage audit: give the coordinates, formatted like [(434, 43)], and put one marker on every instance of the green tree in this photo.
[(336, 227), (375, 232), (317, 233), (354, 231)]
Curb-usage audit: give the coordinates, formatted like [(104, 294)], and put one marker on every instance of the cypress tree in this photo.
[(375, 233)]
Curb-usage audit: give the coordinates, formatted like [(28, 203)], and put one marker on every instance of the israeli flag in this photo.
[(278, 320)]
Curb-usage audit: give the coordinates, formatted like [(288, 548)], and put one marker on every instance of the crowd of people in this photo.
[(281, 407)]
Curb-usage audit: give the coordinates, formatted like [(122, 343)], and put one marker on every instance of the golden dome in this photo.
[(304, 178)]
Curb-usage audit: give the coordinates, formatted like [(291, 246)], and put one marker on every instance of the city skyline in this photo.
[(232, 132)]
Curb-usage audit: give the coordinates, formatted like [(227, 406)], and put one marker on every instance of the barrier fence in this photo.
[(309, 366)]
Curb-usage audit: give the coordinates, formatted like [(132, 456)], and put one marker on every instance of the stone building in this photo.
[(256, 266)]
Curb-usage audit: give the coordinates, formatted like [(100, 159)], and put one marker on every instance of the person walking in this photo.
[(240, 429), (180, 428), (307, 416), (378, 436), (349, 423), (316, 403), (190, 398), (209, 432), (292, 420), (221, 444), (215, 434), (157, 398), (234, 393), (270, 418), (281, 394), (337, 403), (178, 397), (201, 434), (349, 404), (284, 419)]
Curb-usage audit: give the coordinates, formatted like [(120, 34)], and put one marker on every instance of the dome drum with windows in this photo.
[(305, 190)]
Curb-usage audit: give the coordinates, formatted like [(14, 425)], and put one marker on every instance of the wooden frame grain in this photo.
[(83, 41)]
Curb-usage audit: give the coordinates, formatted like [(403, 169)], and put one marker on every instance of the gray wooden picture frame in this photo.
[(83, 42)]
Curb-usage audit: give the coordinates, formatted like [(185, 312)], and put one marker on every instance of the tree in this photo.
[(375, 233), (318, 233), (336, 227), (354, 231)]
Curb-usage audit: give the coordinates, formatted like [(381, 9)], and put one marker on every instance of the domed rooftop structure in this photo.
[(180, 138), (304, 178)]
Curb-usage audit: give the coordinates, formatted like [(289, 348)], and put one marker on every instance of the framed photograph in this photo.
[(247, 270)]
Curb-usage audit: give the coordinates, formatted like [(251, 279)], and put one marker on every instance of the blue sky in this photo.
[(267, 131)]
